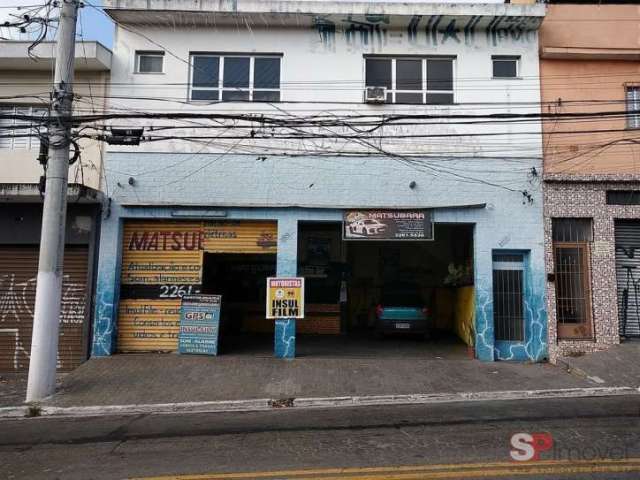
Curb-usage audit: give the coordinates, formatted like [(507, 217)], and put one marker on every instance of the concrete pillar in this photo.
[(483, 271), (104, 325), (287, 266)]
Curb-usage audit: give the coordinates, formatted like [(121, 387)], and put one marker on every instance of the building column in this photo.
[(287, 266), (104, 324), (483, 272)]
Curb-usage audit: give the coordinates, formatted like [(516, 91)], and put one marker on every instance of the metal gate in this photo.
[(508, 297), (628, 276), (18, 273)]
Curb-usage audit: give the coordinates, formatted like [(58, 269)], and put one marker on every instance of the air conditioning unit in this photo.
[(375, 95)]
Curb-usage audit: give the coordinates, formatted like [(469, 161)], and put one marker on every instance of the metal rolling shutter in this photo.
[(240, 237), (627, 234), (161, 261), (18, 273)]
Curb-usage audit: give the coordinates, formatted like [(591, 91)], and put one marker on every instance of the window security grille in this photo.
[(633, 104)]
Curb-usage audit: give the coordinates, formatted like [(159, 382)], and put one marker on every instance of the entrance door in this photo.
[(508, 297), (572, 290), (628, 276)]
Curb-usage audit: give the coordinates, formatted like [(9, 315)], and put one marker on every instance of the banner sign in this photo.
[(387, 225), (285, 297), (199, 324)]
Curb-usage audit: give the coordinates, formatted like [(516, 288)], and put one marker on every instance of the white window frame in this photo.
[(504, 58), (422, 91), (15, 127), (221, 88), (632, 102), (147, 53)]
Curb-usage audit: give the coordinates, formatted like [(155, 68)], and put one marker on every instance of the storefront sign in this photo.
[(199, 324), (162, 261), (388, 225), (285, 297)]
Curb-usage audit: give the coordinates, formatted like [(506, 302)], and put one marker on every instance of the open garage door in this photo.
[(388, 294)]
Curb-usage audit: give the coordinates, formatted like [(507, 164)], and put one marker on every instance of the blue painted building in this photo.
[(272, 184)]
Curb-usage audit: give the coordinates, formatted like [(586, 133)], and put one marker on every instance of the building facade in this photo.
[(589, 67), (297, 129), (25, 83)]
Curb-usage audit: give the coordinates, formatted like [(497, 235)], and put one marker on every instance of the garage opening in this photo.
[(371, 297)]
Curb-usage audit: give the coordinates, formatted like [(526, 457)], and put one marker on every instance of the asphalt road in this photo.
[(576, 438)]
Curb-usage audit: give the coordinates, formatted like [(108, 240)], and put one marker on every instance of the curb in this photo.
[(265, 404)]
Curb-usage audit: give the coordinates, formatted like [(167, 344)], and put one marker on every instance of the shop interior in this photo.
[(241, 280), (345, 283)]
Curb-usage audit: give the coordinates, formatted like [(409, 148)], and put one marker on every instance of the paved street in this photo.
[(463, 440)]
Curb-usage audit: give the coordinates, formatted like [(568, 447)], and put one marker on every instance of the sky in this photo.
[(92, 23)]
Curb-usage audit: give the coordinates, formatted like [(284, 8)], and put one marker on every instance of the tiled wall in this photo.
[(587, 199)]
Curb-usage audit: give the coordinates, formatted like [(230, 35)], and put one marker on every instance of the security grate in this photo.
[(508, 297), (572, 289)]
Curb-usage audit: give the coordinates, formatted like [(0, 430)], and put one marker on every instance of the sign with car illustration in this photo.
[(388, 225)]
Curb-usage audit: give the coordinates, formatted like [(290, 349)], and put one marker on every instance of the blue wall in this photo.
[(290, 190)]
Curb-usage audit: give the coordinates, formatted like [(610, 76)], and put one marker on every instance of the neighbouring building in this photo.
[(297, 148), (25, 86), (590, 64)]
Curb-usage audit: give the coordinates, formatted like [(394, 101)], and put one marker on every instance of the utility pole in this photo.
[(46, 318)]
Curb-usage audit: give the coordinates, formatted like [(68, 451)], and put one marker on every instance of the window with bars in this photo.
[(216, 77), (633, 104), (412, 80), (15, 134), (508, 297), (571, 240)]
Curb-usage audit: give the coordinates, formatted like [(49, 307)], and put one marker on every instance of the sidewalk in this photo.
[(619, 365), (392, 370)]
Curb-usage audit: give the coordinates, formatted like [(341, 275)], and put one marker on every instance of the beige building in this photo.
[(590, 69), (25, 86)]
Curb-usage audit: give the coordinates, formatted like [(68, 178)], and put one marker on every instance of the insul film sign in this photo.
[(387, 225), (285, 297)]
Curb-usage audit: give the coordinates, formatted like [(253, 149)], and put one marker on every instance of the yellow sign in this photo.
[(285, 297)]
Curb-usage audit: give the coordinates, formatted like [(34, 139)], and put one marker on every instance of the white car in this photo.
[(367, 226)]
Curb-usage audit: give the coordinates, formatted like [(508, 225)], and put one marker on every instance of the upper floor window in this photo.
[(149, 62), (633, 104), (235, 77), (505, 66), (17, 134), (412, 80)]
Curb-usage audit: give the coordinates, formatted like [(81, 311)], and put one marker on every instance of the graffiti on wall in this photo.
[(373, 32), (17, 297)]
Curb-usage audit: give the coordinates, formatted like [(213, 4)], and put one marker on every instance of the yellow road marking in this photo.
[(425, 472)]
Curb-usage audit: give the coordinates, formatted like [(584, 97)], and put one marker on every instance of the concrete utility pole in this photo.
[(46, 319)]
